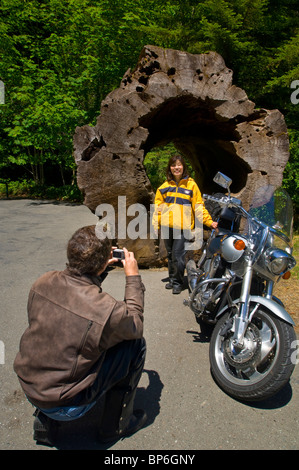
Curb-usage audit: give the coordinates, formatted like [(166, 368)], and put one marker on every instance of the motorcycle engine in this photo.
[(201, 300)]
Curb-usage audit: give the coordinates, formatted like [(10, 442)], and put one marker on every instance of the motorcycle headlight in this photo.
[(232, 247), (278, 261)]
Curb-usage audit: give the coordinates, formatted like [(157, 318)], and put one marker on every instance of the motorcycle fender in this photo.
[(270, 304)]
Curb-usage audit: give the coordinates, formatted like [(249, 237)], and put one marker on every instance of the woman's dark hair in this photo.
[(171, 162), (86, 253)]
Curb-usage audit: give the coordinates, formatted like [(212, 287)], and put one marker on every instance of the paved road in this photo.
[(186, 409)]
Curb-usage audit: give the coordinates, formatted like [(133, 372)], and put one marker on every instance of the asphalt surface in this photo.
[(186, 409)]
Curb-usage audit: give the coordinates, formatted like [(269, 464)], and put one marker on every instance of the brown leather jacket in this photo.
[(71, 323)]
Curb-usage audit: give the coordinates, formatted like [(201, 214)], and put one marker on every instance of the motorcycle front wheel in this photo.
[(262, 366)]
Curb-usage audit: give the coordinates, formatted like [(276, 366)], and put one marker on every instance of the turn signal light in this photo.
[(239, 245), (286, 275)]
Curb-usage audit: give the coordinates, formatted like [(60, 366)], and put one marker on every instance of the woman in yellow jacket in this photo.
[(178, 203)]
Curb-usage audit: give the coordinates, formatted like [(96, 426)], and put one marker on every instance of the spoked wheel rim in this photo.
[(252, 363)]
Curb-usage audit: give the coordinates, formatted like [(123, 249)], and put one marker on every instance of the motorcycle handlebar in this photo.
[(215, 199), (223, 200), (226, 201)]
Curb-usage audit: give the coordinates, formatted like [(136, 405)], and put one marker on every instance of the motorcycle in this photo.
[(231, 288)]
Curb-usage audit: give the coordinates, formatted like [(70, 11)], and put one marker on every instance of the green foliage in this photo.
[(15, 188), (30, 189), (291, 174), (60, 58), (295, 271)]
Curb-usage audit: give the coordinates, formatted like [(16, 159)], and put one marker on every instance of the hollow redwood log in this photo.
[(190, 100)]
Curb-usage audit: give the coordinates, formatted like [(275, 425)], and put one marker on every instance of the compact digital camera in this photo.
[(118, 253)]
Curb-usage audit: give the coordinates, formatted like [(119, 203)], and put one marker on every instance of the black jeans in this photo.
[(175, 245), (123, 363), (117, 383)]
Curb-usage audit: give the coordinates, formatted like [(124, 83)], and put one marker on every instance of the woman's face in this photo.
[(177, 169)]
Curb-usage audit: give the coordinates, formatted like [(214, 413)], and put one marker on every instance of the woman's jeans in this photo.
[(116, 382), (175, 245)]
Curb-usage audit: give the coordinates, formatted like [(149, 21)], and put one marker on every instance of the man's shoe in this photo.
[(44, 429), (137, 421), (177, 289)]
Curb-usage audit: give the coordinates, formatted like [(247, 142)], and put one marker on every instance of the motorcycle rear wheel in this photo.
[(262, 367)]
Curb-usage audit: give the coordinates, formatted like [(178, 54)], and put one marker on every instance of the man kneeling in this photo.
[(82, 344)]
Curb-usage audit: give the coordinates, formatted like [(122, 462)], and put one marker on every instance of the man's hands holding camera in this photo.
[(127, 259)]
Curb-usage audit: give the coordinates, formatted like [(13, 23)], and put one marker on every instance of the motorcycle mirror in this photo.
[(223, 180)]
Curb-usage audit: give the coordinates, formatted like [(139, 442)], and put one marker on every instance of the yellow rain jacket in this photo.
[(177, 206)]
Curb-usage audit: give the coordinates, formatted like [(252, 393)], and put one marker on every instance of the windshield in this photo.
[(274, 207)]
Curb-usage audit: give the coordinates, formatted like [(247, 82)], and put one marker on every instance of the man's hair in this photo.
[(86, 253), (171, 162)]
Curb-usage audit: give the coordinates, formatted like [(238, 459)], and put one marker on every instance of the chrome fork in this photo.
[(241, 321)]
